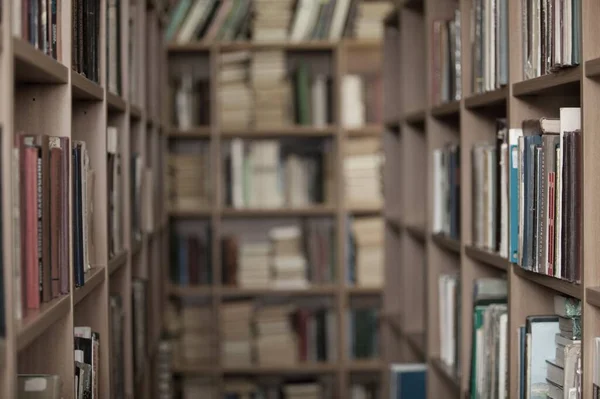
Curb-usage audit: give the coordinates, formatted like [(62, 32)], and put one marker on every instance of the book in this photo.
[(446, 191), (408, 380), (39, 386), (85, 54), (446, 83)]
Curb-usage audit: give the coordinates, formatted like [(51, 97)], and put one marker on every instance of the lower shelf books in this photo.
[(87, 360), (196, 336), (363, 333), (408, 381), (362, 167), (191, 259), (39, 386), (550, 352), (198, 387), (163, 370), (309, 389)]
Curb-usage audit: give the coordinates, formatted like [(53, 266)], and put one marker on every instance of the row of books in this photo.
[(446, 84), (39, 23), (191, 259), (551, 33), (545, 195), (275, 20), (362, 169), (40, 218), (188, 183), (550, 352), (274, 174), (446, 191), (365, 263)]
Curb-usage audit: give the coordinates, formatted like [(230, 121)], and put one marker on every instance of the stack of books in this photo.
[(196, 339), (369, 22), (236, 105), (189, 183), (240, 388), (276, 342), (446, 191), (489, 163), (236, 333), (363, 331), (272, 19), (303, 391), (550, 43), (489, 45), (547, 174), (254, 261), (362, 172), (563, 374), (272, 91), (446, 84), (368, 238), (289, 264)]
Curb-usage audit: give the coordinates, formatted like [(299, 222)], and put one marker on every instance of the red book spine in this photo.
[(31, 243)]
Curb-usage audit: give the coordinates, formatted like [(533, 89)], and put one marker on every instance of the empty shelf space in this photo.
[(117, 261)]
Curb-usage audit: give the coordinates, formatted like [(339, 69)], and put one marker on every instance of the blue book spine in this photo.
[(513, 185)]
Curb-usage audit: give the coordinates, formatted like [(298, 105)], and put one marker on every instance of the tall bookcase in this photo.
[(338, 58), (44, 96), (425, 126)]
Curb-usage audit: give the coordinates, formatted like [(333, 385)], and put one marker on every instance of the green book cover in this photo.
[(303, 94)]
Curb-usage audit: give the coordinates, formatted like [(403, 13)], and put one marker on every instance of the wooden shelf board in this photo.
[(449, 244), (487, 99), (361, 44), (367, 365), (367, 130), (285, 212), (85, 89), (592, 68), (117, 261), (36, 322), (136, 247), (33, 66), (415, 117), (293, 131), (252, 45), (416, 231), (190, 213), (297, 369), (190, 290), (416, 340), (135, 112), (115, 103), (93, 279), (553, 82), (395, 323), (446, 372), (565, 287), (314, 290), (593, 296), (394, 222), (364, 209), (364, 290), (486, 257), (200, 132), (451, 109), (392, 125)]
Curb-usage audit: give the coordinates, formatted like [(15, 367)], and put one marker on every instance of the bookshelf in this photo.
[(425, 126), (45, 96), (340, 57)]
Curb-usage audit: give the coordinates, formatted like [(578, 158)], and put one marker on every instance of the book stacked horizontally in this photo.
[(254, 264), (288, 261), (563, 373), (196, 339), (369, 24), (368, 236), (272, 19), (276, 342), (303, 391), (235, 96), (362, 172), (272, 91), (236, 333), (189, 187)]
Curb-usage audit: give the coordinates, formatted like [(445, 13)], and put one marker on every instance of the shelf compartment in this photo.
[(291, 131), (36, 322), (592, 68), (593, 296), (487, 99), (117, 261), (416, 231), (562, 286), (115, 103), (451, 109), (447, 243), (315, 290), (557, 82), (85, 89), (281, 212), (486, 257), (415, 117), (446, 372), (33, 66), (93, 278), (135, 112)]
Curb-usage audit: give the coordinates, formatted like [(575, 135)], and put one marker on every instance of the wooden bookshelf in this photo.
[(69, 104), (486, 257)]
